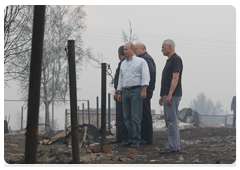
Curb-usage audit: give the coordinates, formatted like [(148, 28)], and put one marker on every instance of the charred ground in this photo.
[(199, 145)]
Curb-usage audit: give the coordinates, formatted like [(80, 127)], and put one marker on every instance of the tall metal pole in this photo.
[(22, 119), (83, 112), (97, 114), (109, 113), (103, 107), (53, 100), (88, 112), (78, 116), (66, 119), (73, 101), (34, 85)]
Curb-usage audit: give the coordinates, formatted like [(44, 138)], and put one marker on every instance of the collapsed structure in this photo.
[(189, 115)]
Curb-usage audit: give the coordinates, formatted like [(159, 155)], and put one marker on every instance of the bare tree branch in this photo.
[(131, 38)]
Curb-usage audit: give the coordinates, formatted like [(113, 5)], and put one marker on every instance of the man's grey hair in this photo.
[(170, 42)]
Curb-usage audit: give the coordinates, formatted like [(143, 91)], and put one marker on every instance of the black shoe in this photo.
[(162, 151), (134, 145), (125, 143), (143, 142), (114, 141)]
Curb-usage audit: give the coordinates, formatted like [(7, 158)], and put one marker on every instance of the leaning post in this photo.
[(73, 102), (34, 85)]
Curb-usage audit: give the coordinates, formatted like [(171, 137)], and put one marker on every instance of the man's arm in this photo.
[(119, 87), (152, 71), (144, 92), (145, 79), (172, 88)]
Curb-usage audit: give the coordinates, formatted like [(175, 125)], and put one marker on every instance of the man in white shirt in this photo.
[(133, 81)]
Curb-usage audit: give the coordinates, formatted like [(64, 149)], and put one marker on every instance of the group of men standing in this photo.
[(134, 83)]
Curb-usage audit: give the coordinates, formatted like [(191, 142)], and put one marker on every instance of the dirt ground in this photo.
[(206, 145)]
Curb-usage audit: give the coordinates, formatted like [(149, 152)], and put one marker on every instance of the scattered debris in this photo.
[(96, 150), (132, 152), (188, 115), (107, 149), (130, 156), (89, 150)]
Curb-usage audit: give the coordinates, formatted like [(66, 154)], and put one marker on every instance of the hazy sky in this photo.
[(205, 38)]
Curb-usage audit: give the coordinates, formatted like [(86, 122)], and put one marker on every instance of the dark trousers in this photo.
[(146, 125), (122, 133)]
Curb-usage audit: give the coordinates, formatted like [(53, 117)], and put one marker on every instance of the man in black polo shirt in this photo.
[(171, 93), (146, 125), (122, 133)]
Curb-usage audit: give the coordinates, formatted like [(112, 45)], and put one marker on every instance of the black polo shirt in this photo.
[(117, 73), (173, 64)]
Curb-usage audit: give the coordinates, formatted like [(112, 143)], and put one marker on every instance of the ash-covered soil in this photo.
[(206, 145)]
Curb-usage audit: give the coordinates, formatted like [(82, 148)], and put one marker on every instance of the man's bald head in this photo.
[(140, 49)]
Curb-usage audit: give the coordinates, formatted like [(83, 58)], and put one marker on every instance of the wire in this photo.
[(153, 40), (179, 45), (161, 36)]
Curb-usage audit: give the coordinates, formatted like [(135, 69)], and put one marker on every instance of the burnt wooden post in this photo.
[(53, 98), (83, 112), (34, 85), (65, 119), (88, 112), (78, 116), (109, 113), (22, 119), (73, 101), (97, 115), (103, 107)]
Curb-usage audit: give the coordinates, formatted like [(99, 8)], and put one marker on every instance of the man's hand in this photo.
[(168, 100), (143, 94), (115, 97), (161, 101), (120, 98)]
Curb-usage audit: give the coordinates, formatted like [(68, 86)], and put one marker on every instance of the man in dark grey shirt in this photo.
[(170, 95)]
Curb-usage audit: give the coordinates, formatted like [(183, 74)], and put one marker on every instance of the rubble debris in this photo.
[(89, 150), (107, 149), (188, 115), (120, 160), (132, 152), (93, 134), (96, 150), (82, 137)]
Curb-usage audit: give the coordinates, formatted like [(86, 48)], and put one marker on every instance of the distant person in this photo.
[(122, 133), (133, 81), (170, 95), (146, 125), (233, 108)]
